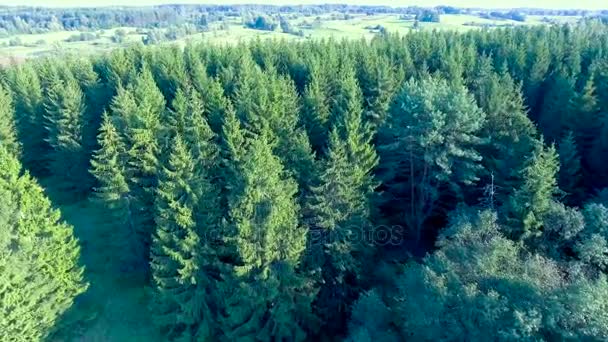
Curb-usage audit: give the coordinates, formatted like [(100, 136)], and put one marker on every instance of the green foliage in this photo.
[(138, 110), (593, 245), (570, 168), (269, 241), (8, 131), (245, 192), (175, 252), (371, 320), (64, 106), (40, 275), (27, 93), (528, 204), (379, 81), (427, 144), (555, 115), (480, 285), (316, 109), (510, 133)]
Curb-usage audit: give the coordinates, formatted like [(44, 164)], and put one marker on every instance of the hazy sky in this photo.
[(587, 4)]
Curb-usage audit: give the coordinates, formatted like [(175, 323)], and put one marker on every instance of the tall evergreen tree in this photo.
[(379, 81), (8, 131), (338, 215), (347, 94), (428, 150), (211, 92), (270, 300), (584, 117), (316, 109), (570, 168), (137, 111), (510, 133), (178, 304), (529, 204), (108, 166), (538, 63), (38, 257), (69, 161), (27, 93), (555, 114)]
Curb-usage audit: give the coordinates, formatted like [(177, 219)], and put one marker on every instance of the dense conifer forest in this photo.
[(427, 187)]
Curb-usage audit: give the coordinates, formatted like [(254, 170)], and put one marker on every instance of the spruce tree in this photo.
[(570, 168), (211, 92), (585, 114), (69, 163), (97, 99), (38, 257), (537, 66), (269, 300), (138, 110), (112, 191), (511, 135), (379, 80), (8, 131), (316, 110), (189, 119), (338, 216), (555, 114), (528, 205), (27, 93), (348, 94), (176, 250)]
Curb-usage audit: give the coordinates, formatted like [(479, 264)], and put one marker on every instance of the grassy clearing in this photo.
[(114, 308)]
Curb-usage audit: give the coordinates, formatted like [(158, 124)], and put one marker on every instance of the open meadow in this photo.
[(231, 30)]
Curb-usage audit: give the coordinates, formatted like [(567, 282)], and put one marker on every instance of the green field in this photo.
[(356, 27), (113, 306)]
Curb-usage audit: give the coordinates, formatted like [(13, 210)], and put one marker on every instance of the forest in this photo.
[(433, 186)]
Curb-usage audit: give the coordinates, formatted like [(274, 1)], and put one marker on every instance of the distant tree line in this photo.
[(433, 186), (39, 20), (512, 15)]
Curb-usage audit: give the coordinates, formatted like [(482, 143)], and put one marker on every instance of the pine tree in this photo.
[(38, 257), (528, 205), (176, 251), (269, 300), (428, 150), (570, 168), (69, 163), (8, 131)]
